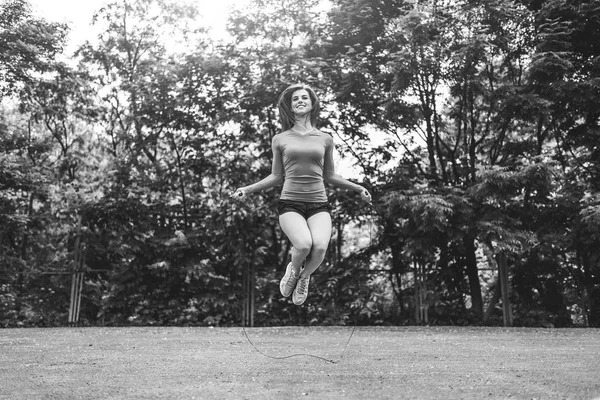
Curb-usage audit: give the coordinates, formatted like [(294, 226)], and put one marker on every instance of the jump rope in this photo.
[(329, 360)]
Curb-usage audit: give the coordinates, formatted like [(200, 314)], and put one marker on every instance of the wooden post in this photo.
[(245, 289), (424, 303), (251, 285), (72, 310), (505, 288), (248, 283), (417, 297), (421, 306), (76, 279)]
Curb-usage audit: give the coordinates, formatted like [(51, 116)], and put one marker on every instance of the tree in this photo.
[(564, 75), (28, 50), (28, 46), (447, 84)]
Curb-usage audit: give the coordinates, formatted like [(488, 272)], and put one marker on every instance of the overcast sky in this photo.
[(78, 15)]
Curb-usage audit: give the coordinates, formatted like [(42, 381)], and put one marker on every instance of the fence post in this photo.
[(248, 283), (505, 288), (76, 279), (421, 305)]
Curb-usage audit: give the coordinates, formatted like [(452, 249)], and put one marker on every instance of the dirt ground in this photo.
[(378, 363)]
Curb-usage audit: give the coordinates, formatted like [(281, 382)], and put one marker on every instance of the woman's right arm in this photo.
[(277, 175)]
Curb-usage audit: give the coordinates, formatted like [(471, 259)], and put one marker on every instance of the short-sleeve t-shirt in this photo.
[(304, 160)]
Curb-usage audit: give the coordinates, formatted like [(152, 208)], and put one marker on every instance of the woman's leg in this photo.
[(319, 226), (296, 229)]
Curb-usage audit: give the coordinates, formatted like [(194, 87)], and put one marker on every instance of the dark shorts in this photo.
[(305, 209)]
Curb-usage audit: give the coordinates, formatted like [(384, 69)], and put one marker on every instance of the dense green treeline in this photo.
[(474, 124)]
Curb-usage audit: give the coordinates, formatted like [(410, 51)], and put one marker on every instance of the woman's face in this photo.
[(301, 102)]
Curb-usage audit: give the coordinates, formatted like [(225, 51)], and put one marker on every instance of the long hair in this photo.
[(286, 115)]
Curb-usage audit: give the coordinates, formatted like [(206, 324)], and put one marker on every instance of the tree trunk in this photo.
[(398, 290), (494, 301), (397, 270), (592, 294), (473, 275)]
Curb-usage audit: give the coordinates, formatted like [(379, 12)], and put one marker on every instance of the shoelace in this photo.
[(291, 281), (302, 285)]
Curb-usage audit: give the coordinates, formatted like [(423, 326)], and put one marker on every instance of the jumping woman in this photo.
[(303, 162)]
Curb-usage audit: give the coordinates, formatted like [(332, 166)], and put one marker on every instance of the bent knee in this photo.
[(319, 250), (303, 248)]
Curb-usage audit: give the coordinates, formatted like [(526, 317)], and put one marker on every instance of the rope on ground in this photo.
[(301, 354)]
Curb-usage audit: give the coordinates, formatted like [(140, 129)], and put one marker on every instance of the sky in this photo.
[(78, 15)]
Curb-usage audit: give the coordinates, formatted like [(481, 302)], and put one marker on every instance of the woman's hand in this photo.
[(365, 195), (239, 194)]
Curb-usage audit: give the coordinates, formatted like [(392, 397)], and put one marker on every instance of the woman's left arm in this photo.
[(334, 179)]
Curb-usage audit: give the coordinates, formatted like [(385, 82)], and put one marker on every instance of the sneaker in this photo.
[(301, 291), (288, 282)]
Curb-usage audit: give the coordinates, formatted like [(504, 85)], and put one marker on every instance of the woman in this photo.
[(302, 161)]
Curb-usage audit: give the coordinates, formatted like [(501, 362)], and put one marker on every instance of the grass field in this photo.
[(378, 363)]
